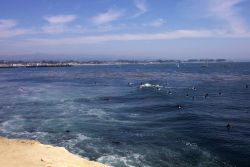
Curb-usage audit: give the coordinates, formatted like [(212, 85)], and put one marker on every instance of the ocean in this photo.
[(152, 115)]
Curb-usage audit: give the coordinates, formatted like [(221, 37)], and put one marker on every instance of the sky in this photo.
[(124, 29)]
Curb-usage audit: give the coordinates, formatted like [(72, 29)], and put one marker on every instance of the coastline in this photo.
[(36, 64), (31, 153)]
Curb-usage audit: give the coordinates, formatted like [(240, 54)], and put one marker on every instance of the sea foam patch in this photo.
[(132, 160)]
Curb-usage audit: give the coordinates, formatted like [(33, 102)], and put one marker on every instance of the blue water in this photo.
[(93, 112)]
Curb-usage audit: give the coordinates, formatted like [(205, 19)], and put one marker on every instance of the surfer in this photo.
[(130, 83), (206, 95), (179, 107), (228, 126)]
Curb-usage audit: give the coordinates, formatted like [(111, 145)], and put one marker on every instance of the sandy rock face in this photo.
[(29, 153)]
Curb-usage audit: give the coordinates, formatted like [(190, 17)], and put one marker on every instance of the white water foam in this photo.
[(71, 143), (98, 113), (148, 85), (132, 160), (12, 125)]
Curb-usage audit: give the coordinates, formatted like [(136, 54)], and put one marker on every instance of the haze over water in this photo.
[(102, 113)]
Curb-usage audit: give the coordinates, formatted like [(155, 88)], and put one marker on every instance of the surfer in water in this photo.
[(228, 126), (179, 107), (130, 84)]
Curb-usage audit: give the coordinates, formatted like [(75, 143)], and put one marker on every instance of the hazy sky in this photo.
[(134, 29)]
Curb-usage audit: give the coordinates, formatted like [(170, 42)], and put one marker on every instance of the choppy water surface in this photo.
[(94, 112)]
